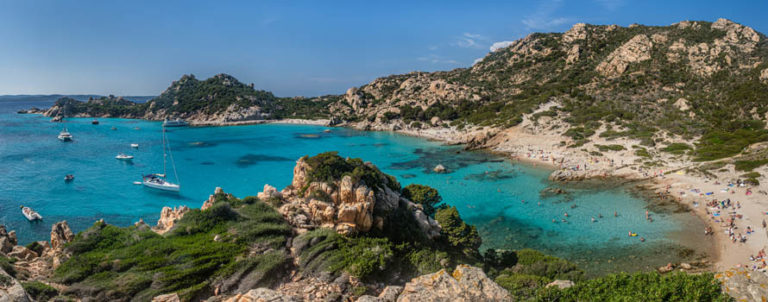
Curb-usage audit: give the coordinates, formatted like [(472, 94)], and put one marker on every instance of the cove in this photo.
[(502, 198)]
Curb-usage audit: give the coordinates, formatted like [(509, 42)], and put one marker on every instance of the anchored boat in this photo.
[(122, 156), (65, 136), (30, 214), (175, 123), (160, 181)]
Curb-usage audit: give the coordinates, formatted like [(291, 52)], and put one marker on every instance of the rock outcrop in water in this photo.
[(346, 205)]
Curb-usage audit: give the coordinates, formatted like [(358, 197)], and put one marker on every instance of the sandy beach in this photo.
[(538, 145)]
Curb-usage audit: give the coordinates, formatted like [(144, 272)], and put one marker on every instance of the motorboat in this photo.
[(175, 123), (69, 178), (65, 136), (135, 146), (95, 122), (122, 156), (30, 214), (160, 181)]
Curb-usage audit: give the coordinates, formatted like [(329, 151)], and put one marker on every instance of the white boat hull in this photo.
[(162, 186), (32, 216)]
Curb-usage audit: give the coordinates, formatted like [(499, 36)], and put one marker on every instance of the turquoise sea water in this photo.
[(500, 197)]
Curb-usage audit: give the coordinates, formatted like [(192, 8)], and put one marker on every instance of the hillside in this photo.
[(694, 88), (695, 81), (219, 99), (341, 231)]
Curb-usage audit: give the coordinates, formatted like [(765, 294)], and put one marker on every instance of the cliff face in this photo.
[(345, 205)]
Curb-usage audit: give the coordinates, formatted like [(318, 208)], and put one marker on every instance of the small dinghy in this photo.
[(122, 156), (135, 146), (69, 178), (30, 214)]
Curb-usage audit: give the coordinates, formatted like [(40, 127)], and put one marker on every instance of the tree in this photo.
[(457, 233), (426, 196)]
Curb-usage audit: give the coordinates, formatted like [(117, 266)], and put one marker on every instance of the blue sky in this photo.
[(289, 47)]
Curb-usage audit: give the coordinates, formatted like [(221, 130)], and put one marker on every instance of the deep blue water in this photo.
[(500, 197)]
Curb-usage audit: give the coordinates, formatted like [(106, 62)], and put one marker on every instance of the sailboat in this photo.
[(160, 181)]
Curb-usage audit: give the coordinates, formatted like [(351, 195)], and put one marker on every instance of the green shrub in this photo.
[(604, 148), (7, 265), (36, 247), (39, 291), (718, 144), (677, 148), (132, 262), (457, 233), (521, 286), (749, 165), (426, 196), (651, 286), (329, 167)]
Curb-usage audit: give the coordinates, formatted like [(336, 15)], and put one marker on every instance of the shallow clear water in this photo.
[(488, 190)]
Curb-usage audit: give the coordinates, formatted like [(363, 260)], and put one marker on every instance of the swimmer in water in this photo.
[(615, 214), (564, 220), (554, 221), (566, 214), (593, 219), (642, 239), (599, 215)]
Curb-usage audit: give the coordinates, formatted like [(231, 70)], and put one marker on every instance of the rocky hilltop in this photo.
[(676, 92), (221, 99), (342, 231)]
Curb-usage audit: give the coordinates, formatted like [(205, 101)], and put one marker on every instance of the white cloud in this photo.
[(542, 18), (468, 40), (501, 44)]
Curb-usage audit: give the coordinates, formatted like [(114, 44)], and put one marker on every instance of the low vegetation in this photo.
[(116, 263)]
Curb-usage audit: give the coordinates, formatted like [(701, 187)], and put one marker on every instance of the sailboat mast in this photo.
[(165, 173)]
